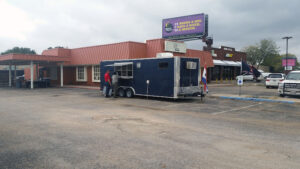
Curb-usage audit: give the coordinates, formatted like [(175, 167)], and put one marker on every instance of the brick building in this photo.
[(227, 63), (82, 66)]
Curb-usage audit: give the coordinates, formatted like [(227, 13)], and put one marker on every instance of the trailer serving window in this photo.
[(163, 65), (124, 69)]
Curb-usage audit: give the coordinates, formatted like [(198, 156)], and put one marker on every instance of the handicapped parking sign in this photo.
[(240, 80)]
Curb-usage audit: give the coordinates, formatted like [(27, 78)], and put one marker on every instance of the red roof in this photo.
[(57, 52), (94, 54), (155, 46)]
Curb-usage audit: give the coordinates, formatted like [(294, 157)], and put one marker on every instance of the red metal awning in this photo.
[(25, 59)]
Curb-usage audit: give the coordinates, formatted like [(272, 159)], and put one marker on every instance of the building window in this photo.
[(53, 73), (125, 71), (163, 65), (96, 73), (81, 73), (216, 72)]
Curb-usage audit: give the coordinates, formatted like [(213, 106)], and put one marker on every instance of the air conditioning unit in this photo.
[(191, 65)]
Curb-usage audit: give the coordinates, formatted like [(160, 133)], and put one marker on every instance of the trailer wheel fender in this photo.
[(132, 90), (129, 92)]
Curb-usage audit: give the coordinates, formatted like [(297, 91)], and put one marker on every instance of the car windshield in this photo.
[(293, 76), (275, 76)]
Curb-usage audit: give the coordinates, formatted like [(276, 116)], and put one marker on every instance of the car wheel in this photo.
[(129, 93), (267, 87), (281, 95), (121, 92)]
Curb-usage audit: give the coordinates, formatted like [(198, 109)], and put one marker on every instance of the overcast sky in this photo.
[(39, 24)]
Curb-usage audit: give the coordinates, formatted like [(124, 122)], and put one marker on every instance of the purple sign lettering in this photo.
[(186, 25)]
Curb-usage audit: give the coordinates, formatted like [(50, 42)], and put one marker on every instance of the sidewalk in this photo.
[(234, 83), (82, 87), (258, 99)]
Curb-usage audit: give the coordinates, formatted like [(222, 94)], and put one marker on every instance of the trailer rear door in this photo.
[(189, 72)]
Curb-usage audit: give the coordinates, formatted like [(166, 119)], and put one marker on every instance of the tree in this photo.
[(275, 63), (252, 54), (58, 47), (20, 50), (55, 47), (261, 53)]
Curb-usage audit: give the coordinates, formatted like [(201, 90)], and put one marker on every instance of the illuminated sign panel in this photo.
[(191, 26), (175, 47), (290, 62), (229, 55)]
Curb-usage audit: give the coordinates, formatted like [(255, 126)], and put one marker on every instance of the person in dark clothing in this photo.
[(107, 80)]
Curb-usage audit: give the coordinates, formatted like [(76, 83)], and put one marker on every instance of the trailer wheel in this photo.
[(121, 92), (129, 93)]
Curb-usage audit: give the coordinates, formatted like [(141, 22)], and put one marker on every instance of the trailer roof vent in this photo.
[(164, 55)]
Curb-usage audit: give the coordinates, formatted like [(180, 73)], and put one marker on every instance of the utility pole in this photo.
[(287, 46)]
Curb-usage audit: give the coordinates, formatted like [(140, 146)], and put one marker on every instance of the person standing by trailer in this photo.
[(115, 83), (107, 83)]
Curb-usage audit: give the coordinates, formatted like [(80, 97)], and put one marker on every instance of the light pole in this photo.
[(287, 46)]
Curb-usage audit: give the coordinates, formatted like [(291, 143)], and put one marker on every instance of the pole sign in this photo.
[(240, 80), (289, 62), (185, 27), (288, 68)]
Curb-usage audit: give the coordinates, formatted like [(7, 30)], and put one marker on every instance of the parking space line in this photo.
[(241, 108)]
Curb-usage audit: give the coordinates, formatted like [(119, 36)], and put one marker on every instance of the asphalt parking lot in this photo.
[(253, 89), (78, 128)]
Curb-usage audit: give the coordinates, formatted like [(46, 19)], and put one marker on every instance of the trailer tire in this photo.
[(129, 93), (121, 92)]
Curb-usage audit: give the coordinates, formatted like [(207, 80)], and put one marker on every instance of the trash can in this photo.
[(19, 81)]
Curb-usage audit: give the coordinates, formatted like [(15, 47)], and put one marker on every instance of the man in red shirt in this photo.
[(107, 79)]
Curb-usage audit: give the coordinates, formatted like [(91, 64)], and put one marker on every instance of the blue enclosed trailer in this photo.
[(171, 77)]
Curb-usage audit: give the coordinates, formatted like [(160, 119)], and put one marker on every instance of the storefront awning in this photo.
[(219, 62), (226, 63), (231, 63), (123, 63)]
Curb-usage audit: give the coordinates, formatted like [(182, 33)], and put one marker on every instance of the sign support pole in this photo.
[(31, 75), (241, 71)]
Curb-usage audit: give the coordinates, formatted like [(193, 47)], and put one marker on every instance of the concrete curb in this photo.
[(82, 87), (234, 84), (256, 99)]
